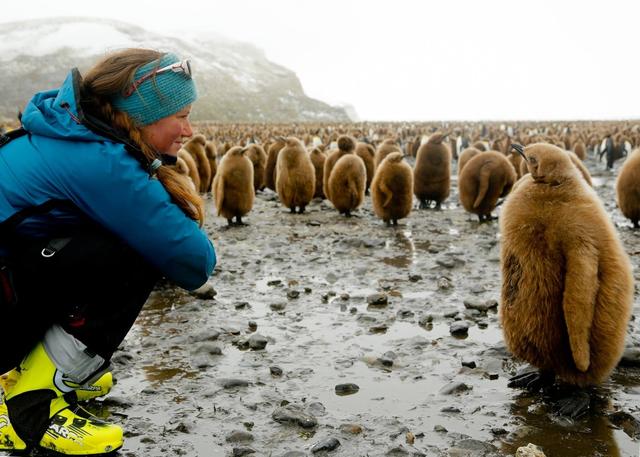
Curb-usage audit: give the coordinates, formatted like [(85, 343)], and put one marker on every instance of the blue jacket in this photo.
[(63, 159)]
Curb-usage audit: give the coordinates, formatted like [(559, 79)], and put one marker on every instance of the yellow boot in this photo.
[(100, 388), (9, 439), (37, 407)]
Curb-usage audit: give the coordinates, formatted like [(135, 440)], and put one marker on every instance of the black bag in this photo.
[(8, 294)]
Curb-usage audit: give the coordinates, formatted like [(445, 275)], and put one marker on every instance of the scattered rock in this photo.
[(387, 358), (346, 389), (275, 371), (293, 294), (626, 422), (292, 414), (459, 328), (205, 291), (240, 451), (328, 444), (439, 429), (377, 300), (352, 429), (257, 342), (482, 306), (468, 363), (238, 436), (530, 450), (231, 383), (455, 388)]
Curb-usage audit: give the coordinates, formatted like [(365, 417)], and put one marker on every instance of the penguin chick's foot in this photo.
[(576, 405), (531, 379)]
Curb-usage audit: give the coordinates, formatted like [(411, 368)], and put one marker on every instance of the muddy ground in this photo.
[(189, 382)]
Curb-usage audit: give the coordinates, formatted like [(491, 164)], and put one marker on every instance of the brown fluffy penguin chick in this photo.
[(272, 158), (628, 188), (465, 156), (392, 189), (258, 158), (346, 145), (384, 149), (367, 153), (484, 179), (432, 172), (295, 176), (575, 160), (580, 166), (211, 152), (182, 168), (567, 287), (193, 167), (318, 157), (346, 184), (517, 162), (195, 147), (580, 149), (233, 186)]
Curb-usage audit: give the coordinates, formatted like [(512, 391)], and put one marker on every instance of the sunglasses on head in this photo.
[(183, 66)]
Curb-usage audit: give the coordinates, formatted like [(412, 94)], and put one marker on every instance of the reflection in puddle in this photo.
[(160, 374)]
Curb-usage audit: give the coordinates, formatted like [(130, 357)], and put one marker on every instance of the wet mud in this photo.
[(342, 336)]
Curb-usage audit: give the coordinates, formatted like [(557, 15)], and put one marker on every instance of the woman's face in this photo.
[(166, 135)]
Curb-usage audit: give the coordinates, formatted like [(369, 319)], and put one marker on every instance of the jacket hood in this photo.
[(57, 113)]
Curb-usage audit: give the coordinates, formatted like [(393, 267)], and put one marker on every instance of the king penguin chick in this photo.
[(567, 287)]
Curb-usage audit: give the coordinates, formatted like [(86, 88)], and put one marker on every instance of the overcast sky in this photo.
[(420, 60)]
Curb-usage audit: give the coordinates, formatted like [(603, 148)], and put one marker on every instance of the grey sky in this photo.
[(413, 60)]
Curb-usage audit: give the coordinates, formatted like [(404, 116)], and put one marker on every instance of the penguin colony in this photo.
[(567, 285)]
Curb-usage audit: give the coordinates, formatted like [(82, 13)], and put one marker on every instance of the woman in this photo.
[(90, 219)]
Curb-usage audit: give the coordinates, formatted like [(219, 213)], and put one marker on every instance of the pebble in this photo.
[(205, 292), (237, 436), (468, 363), (241, 305), (444, 283), (377, 300), (257, 342), (240, 451), (459, 328), (530, 450), (293, 294), (346, 389), (440, 429), (482, 306), (426, 319), (293, 414), (353, 429), (231, 383), (626, 422), (253, 326), (278, 306), (275, 371), (294, 454), (328, 444), (454, 388), (388, 358)]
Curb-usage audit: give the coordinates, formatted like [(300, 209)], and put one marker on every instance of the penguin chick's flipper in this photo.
[(574, 406), (531, 379)]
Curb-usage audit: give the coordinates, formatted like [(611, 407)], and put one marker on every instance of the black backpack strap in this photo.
[(8, 225), (11, 135)]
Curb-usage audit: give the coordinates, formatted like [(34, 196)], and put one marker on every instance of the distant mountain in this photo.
[(236, 83)]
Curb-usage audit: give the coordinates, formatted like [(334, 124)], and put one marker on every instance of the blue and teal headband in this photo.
[(155, 94)]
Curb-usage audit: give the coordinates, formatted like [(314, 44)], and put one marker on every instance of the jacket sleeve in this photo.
[(112, 188)]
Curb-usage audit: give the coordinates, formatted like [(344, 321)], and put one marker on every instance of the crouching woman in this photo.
[(91, 216)]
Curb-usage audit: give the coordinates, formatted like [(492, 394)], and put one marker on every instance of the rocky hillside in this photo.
[(236, 82)]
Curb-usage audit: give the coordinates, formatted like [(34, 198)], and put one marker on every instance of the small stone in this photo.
[(440, 429), (274, 282), (293, 414), (293, 294), (444, 283), (379, 328), (278, 306), (415, 278), (308, 290), (275, 371), (468, 363), (344, 297), (405, 314), (454, 388), (346, 389), (424, 320), (353, 310), (482, 306), (530, 450), (241, 305), (253, 326), (240, 451), (498, 431), (205, 292), (387, 358), (377, 300), (459, 328), (257, 342), (238, 436), (492, 376), (353, 429), (233, 383), (328, 444)]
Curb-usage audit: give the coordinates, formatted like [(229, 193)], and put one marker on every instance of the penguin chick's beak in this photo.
[(519, 149)]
